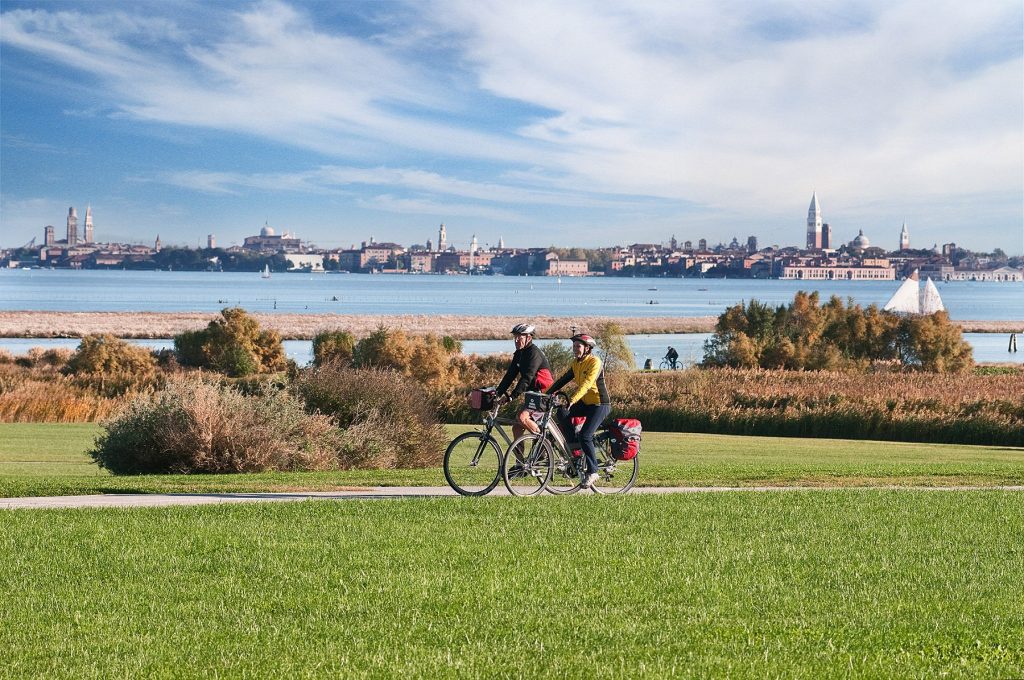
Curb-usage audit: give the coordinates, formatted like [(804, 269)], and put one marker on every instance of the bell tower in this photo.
[(814, 224)]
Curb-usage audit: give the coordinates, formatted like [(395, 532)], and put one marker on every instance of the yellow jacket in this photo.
[(589, 378)]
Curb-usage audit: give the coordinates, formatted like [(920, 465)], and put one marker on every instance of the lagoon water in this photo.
[(383, 294), (988, 347)]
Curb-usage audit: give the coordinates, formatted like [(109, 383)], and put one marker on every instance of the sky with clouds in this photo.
[(543, 123)]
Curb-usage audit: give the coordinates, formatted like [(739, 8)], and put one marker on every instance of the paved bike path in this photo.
[(385, 493)]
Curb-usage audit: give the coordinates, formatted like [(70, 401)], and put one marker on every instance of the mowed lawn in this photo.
[(812, 584), (51, 459)]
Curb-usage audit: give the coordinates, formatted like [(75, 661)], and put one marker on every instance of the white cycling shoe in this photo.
[(589, 480)]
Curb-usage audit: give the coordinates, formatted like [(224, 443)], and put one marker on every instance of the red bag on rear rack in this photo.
[(625, 438)]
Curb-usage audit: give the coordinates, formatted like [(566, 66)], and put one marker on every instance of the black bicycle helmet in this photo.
[(584, 339), (523, 329)]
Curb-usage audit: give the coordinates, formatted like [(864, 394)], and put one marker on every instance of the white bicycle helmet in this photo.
[(523, 329)]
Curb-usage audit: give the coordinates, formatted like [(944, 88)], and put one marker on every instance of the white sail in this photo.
[(906, 300), (266, 271), (930, 300)]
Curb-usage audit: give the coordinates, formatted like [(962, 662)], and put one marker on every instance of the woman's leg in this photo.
[(594, 415)]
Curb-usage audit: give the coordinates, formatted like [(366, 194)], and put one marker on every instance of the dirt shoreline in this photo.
[(42, 324)]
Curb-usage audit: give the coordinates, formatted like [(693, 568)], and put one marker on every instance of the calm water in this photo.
[(988, 347), (67, 290)]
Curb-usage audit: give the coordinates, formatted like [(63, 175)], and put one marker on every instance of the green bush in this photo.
[(388, 420), (233, 344), (333, 347), (194, 426), (613, 347), (559, 357)]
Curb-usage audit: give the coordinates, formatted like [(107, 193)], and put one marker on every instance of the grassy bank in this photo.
[(793, 584), (50, 459)]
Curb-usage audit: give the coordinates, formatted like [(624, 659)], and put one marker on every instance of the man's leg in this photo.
[(525, 422)]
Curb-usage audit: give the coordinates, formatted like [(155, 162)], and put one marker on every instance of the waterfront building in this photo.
[(560, 267), (308, 261), (421, 262), (270, 241), (702, 244), (48, 239), (904, 238), (211, 241), (814, 224), (442, 239), (751, 244), (837, 272), (826, 236)]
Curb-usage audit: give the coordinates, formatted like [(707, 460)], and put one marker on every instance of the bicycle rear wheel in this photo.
[(526, 466), (472, 464), (565, 472), (613, 476)]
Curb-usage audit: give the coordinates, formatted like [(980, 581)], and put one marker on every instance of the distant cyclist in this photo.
[(672, 357), (531, 367), (589, 400)]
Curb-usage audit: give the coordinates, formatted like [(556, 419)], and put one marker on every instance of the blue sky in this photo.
[(565, 123)]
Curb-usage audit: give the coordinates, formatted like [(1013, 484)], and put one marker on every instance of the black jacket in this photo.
[(530, 364)]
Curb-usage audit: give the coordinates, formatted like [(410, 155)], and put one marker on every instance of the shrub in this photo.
[(614, 348), (6, 357), (559, 357), (333, 347), (233, 344), (112, 366), (104, 354), (429, 359), (194, 426), (388, 419)]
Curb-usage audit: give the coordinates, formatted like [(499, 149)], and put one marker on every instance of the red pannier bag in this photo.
[(482, 399), (625, 438)]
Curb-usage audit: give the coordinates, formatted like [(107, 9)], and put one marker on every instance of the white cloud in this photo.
[(731, 108)]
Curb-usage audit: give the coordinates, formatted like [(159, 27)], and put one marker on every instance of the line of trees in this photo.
[(834, 336)]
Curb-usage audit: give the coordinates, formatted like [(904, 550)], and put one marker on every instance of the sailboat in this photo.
[(912, 298), (266, 272)]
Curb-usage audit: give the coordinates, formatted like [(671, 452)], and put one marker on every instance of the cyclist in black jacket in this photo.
[(531, 367)]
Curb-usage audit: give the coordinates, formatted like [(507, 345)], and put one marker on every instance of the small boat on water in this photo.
[(266, 272)]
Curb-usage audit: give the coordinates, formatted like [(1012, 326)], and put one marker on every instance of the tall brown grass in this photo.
[(34, 396)]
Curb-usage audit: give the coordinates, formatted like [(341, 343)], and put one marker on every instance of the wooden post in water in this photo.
[(1013, 343)]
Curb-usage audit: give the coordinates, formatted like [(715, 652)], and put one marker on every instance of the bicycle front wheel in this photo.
[(526, 467), (613, 476), (664, 365), (472, 464)]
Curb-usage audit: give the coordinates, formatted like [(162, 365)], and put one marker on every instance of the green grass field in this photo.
[(811, 584), (50, 459)]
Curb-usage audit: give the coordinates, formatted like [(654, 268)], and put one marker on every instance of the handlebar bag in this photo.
[(482, 399)]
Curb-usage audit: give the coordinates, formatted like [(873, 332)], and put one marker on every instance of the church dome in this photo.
[(267, 230), (861, 241)]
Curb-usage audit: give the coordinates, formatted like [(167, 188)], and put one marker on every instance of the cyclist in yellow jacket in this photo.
[(588, 400)]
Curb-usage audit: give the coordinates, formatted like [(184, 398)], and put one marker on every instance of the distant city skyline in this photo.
[(569, 124)]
